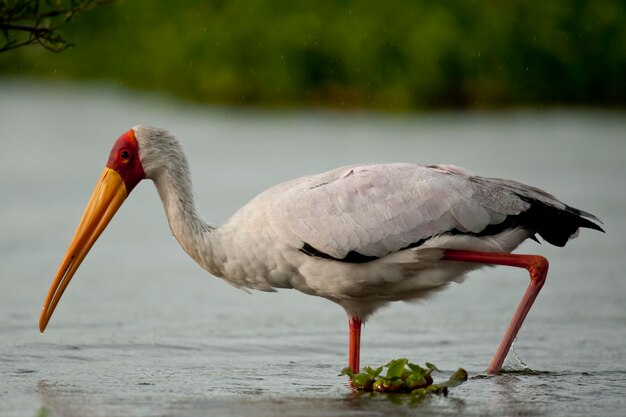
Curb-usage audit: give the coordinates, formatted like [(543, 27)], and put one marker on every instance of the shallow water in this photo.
[(143, 331)]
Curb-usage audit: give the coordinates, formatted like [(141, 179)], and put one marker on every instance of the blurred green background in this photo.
[(394, 55)]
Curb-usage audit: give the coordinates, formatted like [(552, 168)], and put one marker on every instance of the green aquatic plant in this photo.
[(403, 376)]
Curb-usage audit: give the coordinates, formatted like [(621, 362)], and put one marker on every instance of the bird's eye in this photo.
[(124, 155)]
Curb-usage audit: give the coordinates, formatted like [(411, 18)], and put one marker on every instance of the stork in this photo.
[(360, 236)]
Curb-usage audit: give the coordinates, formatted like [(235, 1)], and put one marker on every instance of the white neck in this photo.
[(194, 235), (164, 162)]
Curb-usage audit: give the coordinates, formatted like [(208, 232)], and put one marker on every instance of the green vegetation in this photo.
[(403, 377), (36, 22), (386, 55)]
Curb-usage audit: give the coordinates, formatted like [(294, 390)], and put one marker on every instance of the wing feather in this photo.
[(379, 209)]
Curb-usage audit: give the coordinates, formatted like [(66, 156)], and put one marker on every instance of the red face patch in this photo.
[(124, 159)]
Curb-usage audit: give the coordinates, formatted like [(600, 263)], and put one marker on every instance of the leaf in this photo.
[(420, 392), (379, 384), (395, 368), (456, 379), (438, 389), (431, 367), (384, 384), (348, 372), (362, 382), (415, 381), (431, 389), (417, 369), (373, 372)]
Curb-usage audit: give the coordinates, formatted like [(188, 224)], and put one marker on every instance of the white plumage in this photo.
[(373, 210), (360, 236)]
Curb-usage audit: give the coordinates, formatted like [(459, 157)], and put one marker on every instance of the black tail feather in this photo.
[(556, 225), (589, 216)]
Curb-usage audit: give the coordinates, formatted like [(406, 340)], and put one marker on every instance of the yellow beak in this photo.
[(107, 197)]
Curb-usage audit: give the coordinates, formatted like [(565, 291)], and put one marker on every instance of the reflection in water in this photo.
[(508, 398), (399, 403), (62, 402), (43, 412)]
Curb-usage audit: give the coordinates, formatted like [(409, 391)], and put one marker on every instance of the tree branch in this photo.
[(25, 18)]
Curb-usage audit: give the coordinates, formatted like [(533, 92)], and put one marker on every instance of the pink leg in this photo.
[(355, 343), (536, 265)]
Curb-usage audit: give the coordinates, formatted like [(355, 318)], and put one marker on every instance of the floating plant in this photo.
[(405, 377)]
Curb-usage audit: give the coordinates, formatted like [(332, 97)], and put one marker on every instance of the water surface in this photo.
[(143, 331)]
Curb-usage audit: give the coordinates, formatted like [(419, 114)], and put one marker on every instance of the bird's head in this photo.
[(136, 155), (124, 162)]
